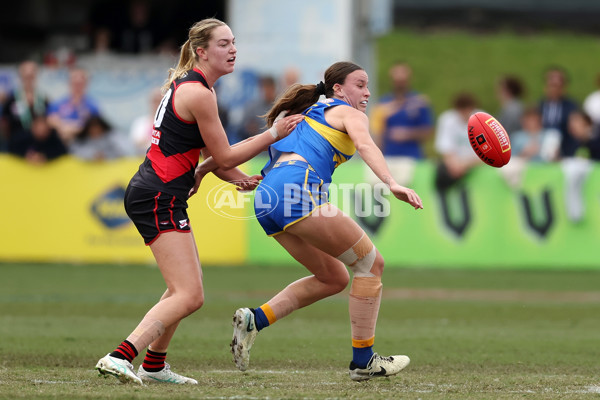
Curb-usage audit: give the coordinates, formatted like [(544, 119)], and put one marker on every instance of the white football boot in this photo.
[(165, 375), (244, 334), (378, 367), (121, 369)]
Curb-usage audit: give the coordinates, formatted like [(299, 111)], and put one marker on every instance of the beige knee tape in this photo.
[(360, 257), (146, 332), (365, 298), (366, 286)]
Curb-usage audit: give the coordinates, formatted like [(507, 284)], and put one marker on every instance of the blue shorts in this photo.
[(291, 191)]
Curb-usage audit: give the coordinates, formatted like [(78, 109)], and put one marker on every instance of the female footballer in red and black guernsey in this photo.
[(186, 125)]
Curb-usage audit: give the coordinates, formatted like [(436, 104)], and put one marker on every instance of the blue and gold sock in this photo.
[(362, 351), (263, 316)]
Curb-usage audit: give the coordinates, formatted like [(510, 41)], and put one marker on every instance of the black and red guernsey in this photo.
[(175, 149)]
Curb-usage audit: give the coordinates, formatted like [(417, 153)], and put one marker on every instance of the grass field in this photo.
[(470, 334)]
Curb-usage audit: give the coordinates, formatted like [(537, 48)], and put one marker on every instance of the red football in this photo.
[(489, 139)]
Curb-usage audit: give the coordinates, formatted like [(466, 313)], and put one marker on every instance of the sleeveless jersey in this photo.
[(175, 148), (322, 146)]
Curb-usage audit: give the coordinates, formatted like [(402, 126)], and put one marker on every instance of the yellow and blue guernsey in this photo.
[(292, 190), (323, 146)]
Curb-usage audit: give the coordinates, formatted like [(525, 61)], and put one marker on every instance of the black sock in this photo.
[(125, 351), (154, 361)]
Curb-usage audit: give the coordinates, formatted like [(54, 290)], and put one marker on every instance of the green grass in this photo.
[(535, 336)]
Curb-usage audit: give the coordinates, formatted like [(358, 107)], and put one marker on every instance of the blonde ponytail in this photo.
[(199, 35), (186, 62)]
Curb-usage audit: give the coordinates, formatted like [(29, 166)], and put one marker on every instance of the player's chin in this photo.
[(229, 68)]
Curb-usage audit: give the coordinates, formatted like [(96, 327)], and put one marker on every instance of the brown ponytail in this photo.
[(298, 98)]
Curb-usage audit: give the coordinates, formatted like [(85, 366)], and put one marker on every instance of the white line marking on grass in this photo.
[(518, 391), (592, 389), (432, 388), (235, 398), (238, 397), (499, 295), (257, 371), (36, 381)]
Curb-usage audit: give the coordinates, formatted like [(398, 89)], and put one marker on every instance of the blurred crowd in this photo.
[(556, 128), (39, 130)]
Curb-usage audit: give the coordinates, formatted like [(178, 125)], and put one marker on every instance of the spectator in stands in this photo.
[(591, 104), (101, 40), (510, 93), (576, 169), (70, 114), (97, 141), (457, 159), (403, 118), (253, 121), (102, 54), (40, 143), (452, 143), (140, 32), (140, 132), (22, 106), (556, 107), (586, 134), (400, 123), (290, 76), (532, 143)]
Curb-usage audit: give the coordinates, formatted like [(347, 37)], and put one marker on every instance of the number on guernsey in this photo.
[(160, 113)]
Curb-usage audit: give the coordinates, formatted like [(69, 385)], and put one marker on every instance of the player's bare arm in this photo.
[(229, 175), (234, 175), (356, 123), (202, 105)]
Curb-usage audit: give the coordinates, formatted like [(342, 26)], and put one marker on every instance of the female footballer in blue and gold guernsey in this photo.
[(291, 205), (312, 136), (322, 148)]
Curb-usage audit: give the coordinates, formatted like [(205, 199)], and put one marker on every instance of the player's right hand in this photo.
[(286, 125), (407, 195), (198, 176)]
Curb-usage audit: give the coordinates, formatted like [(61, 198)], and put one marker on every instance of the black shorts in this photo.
[(154, 212)]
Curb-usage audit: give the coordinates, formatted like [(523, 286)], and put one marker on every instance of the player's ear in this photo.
[(337, 88), (201, 53)]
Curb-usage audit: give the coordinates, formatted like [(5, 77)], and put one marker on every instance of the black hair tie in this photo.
[(320, 88)]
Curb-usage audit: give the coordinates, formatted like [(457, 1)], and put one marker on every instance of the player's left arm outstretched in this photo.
[(356, 124)]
